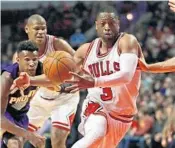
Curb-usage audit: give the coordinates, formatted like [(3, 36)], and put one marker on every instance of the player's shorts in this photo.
[(61, 110), (116, 128), (20, 120)]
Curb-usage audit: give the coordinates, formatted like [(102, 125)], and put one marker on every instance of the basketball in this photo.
[(57, 66)]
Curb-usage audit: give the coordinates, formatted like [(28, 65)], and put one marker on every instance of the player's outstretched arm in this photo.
[(6, 125), (160, 67), (24, 81)]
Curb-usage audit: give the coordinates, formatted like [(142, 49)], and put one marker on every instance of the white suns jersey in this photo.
[(118, 99), (43, 91)]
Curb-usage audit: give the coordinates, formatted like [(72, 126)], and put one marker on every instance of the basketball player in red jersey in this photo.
[(46, 103), (113, 81)]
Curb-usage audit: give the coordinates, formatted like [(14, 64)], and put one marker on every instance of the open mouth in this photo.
[(40, 38), (31, 70), (108, 34)]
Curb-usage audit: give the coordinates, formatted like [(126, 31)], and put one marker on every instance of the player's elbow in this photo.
[(127, 77)]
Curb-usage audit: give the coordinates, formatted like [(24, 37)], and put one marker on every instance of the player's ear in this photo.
[(17, 59), (14, 59), (26, 29), (118, 25), (96, 25)]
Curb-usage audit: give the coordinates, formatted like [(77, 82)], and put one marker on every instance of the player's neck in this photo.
[(107, 44), (41, 48), (105, 47)]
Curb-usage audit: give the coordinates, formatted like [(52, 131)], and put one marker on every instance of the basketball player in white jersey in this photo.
[(61, 107), (113, 81)]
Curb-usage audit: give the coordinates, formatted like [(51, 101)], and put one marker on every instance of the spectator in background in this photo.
[(77, 38), (168, 133), (146, 122), (157, 128), (140, 132)]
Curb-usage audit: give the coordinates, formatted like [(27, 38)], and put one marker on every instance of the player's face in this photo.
[(28, 62), (107, 26), (37, 31)]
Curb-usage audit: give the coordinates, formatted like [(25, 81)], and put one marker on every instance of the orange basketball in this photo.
[(57, 66)]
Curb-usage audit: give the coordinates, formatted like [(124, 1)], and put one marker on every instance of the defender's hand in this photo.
[(22, 82)]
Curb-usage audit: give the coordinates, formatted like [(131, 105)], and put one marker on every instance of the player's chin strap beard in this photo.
[(118, 35)]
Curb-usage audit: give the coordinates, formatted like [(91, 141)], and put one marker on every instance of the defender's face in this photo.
[(107, 25), (28, 62), (37, 31)]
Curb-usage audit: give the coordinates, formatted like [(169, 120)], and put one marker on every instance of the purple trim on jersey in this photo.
[(12, 69), (21, 120)]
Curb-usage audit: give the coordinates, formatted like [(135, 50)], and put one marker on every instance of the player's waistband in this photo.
[(17, 113), (62, 96), (122, 118), (48, 99)]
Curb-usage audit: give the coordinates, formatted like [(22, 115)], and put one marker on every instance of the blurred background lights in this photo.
[(129, 16)]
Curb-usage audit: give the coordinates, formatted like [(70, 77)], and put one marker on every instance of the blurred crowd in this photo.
[(153, 25)]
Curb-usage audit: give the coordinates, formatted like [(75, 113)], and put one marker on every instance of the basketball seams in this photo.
[(66, 65), (50, 68), (55, 53), (64, 57), (58, 69), (59, 55)]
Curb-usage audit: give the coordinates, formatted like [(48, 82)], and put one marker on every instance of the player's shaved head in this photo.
[(37, 18), (36, 28)]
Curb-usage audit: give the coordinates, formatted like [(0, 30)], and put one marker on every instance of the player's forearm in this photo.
[(162, 67), (40, 80), (116, 79), (121, 77), (12, 128)]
